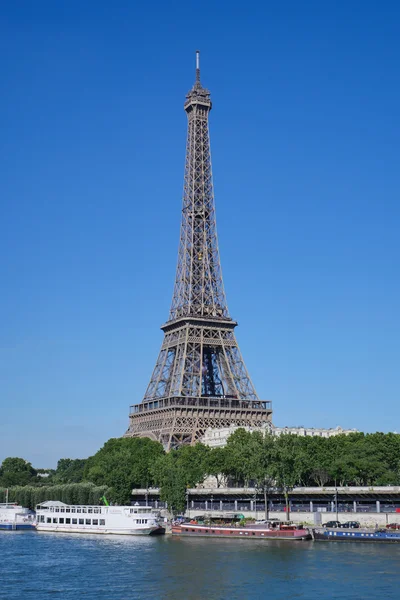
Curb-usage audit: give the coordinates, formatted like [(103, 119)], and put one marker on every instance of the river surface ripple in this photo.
[(37, 566)]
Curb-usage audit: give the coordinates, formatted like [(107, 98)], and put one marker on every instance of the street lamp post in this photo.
[(336, 502)]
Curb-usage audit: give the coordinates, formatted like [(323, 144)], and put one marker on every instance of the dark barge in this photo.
[(321, 534)]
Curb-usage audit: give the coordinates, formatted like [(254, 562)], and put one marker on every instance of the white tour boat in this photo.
[(14, 517), (126, 520)]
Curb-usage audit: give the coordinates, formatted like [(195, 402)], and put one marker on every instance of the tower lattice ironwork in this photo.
[(200, 379)]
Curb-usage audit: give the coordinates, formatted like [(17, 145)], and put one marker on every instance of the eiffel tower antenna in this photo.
[(200, 379), (198, 66)]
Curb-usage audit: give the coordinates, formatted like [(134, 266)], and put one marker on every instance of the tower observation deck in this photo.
[(200, 379)]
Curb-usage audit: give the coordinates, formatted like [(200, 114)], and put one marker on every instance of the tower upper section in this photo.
[(198, 97), (199, 290)]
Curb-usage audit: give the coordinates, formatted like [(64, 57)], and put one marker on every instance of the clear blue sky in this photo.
[(305, 145)]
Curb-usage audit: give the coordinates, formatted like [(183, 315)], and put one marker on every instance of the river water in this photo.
[(37, 566)]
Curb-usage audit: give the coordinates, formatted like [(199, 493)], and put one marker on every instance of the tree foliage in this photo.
[(249, 458), (16, 471), (74, 493), (123, 464)]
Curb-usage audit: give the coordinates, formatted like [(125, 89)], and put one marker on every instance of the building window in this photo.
[(57, 510), (102, 522), (81, 522), (68, 521), (95, 521), (55, 520), (73, 510), (67, 510), (88, 521), (90, 510), (61, 520), (78, 510), (84, 510), (48, 520), (74, 521)]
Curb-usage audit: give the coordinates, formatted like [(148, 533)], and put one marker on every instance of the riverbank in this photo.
[(365, 519)]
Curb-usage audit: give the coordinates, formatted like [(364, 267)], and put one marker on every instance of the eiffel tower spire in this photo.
[(200, 379)]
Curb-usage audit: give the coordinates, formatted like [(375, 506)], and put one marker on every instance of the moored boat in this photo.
[(55, 516), (14, 517), (321, 534), (269, 530)]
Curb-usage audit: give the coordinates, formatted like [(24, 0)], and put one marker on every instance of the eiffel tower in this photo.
[(200, 379)]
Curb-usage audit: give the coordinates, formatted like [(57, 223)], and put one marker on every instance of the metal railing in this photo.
[(209, 402)]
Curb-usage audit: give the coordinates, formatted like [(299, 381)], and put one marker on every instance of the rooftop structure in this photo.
[(218, 437)]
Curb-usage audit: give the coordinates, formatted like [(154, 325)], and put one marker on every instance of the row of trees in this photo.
[(267, 462), (70, 493), (16, 471), (249, 458)]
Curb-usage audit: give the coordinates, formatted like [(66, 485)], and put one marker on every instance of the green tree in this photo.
[(262, 464), (16, 471), (171, 477), (288, 466), (240, 460), (69, 470), (122, 464), (217, 464)]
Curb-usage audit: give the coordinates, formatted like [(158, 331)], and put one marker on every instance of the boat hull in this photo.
[(358, 535), (242, 533), (104, 531), (16, 527)]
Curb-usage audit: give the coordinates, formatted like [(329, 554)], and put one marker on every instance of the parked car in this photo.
[(332, 524), (393, 526), (351, 525)]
